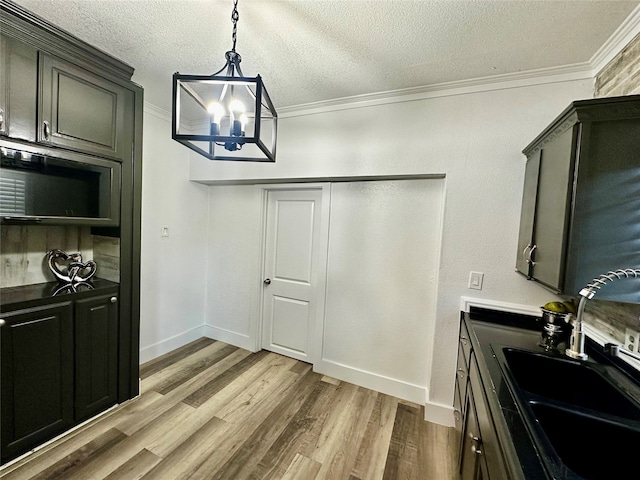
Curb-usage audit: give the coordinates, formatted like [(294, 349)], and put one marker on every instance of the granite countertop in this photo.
[(25, 296)]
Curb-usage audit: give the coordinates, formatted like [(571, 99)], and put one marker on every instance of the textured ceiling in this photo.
[(310, 51)]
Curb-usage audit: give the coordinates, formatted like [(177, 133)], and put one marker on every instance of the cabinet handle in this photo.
[(114, 299), (2, 322), (530, 260), (476, 444), (525, 253), (46, 130), (2, 121), (461, 373)]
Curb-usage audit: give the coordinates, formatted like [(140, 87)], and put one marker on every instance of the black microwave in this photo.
[(45, 186)]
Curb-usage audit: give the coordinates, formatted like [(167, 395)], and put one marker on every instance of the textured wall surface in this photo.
[(172, 301), (621, 76), (233, 262), (384, 248)]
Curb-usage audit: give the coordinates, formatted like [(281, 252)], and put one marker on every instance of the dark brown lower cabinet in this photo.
[(480, 455), (473, 465), (96, 355), (59, 368), (37, 376)]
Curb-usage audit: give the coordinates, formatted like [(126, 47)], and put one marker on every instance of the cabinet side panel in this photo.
[(607, 215)]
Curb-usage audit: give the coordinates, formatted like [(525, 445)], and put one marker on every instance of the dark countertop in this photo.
[(26, 296), (492, 330)]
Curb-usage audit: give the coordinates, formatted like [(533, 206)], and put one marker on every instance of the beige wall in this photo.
[(621, 76)]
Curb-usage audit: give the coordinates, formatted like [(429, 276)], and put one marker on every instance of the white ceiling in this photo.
[(310, 51)]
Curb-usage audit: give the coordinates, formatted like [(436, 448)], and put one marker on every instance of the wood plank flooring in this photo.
[(213, 411)]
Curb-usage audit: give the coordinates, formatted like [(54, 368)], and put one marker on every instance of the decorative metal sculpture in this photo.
[(71, 288), (76, 272)]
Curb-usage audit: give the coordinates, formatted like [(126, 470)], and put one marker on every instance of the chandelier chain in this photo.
[(234, 18)]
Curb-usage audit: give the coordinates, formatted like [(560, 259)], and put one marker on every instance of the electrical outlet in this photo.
[(475, 280), (631, 340)]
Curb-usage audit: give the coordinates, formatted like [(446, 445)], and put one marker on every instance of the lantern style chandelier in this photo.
[(225, 116)]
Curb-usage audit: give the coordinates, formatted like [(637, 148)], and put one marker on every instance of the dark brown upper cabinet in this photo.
[(18, 86), (581, 201), (82, 111)]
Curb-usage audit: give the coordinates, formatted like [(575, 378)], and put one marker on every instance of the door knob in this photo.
[(267, 281)]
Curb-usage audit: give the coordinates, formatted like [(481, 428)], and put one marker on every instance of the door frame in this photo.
[(321, 252)]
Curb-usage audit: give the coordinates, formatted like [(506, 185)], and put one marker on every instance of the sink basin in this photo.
[(583, 425), (593, 448), (570, 382)]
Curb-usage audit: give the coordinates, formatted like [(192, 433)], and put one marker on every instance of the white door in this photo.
[(292, 233)]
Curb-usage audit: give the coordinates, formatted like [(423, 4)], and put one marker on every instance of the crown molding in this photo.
[(577, 71), (165, 115), (626, 32), (157, 112)]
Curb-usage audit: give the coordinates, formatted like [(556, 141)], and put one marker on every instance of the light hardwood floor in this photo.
[(213, 411)]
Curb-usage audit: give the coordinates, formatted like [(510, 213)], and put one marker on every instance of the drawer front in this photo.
[(462, 375), (465, 341)]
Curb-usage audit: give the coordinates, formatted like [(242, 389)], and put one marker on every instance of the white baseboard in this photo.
[(227, 336), (438, 413), (171, 343), (373, 381)]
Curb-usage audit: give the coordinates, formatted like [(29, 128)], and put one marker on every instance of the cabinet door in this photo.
[(527, 215), (96, 341), (82, 111), (553, 207), (18, 88), (37, 376), (472, 462), (461, 384)]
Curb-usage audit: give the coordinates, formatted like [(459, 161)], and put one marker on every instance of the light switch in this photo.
[(475, 280), (164, 231)]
